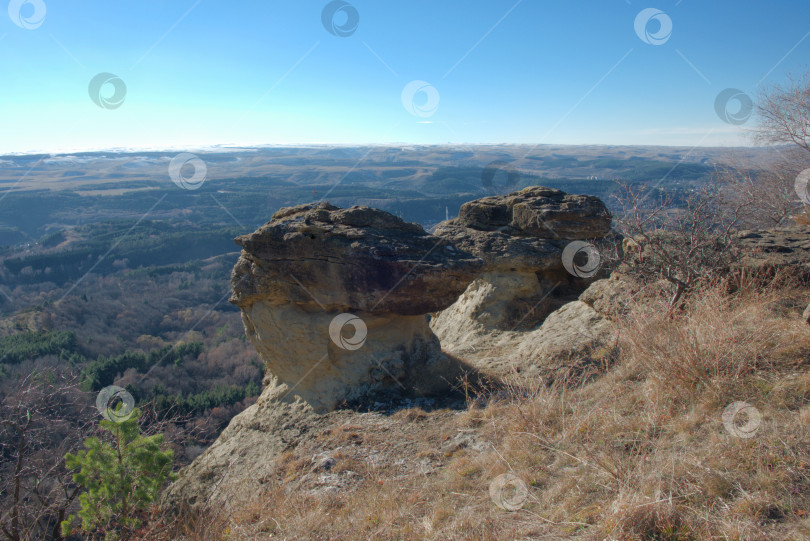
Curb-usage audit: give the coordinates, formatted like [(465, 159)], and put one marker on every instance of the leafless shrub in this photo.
[(683, 245), (765, 196)]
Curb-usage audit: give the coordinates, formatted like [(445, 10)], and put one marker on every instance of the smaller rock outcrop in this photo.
[(581, 337), (526, 230), (538, 212), (610, 296), (334, 301), (521, 237)]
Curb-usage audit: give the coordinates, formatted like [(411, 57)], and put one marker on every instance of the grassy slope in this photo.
[(639, 452)]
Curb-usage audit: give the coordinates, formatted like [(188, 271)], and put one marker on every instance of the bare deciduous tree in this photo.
[(784, 113), (766, 191), (43, 419)]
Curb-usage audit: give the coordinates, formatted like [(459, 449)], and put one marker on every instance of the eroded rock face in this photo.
[(376, 274), (521, 237), (610, 296)]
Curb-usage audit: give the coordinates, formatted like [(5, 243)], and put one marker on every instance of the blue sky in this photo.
[(267, 72)]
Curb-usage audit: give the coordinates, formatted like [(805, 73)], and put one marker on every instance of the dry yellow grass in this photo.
[(638, 453)]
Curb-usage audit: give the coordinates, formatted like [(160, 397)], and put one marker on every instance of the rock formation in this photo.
[(522, 237), (316, 271), (334, 300), (785, 251)]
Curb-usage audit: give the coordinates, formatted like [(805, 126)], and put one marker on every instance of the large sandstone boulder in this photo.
[(538, 212), (521, 237), (526, 230), (334, 301)]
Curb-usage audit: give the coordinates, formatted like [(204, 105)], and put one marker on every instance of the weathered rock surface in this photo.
[(521, 237), (233, 470), (376, 274), (609, 297), (571, 341), (538, 212), (359, 259), (526, 230), (263, 448)]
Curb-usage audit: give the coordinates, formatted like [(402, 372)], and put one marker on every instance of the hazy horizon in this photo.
[(247, 147)]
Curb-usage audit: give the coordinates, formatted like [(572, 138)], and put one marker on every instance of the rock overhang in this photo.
[(356, 259)]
